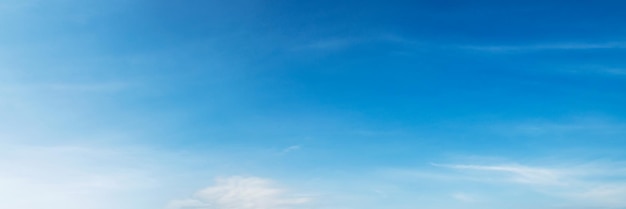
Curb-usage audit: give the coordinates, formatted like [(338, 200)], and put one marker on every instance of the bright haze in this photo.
[(344, 104)]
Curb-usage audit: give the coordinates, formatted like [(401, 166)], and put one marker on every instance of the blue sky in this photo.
[(253, 104)]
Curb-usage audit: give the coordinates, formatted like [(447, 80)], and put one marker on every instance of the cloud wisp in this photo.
[(72, 177), (589, 185), (291, 149), (547, 46), (238, 192), (517, 173), (341, 43)]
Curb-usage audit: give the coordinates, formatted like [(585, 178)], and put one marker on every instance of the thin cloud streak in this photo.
[(520, 174), (590, 184), (549, 46), (340, 43), (291, 149)]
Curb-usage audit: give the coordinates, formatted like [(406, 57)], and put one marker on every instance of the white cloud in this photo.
[(241, 193), (465, 197), (589, 185), (291, 149), (607, 194)]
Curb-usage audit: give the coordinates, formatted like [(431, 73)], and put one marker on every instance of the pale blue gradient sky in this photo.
[(319, 104)]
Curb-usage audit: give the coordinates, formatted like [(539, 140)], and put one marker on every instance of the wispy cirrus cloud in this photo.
[(517, 173), (598, 70), (573, 125), (545, 46), (345, 42), (340, 43), (591, 184)]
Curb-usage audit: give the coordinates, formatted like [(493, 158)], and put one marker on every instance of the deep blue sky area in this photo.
[(255, 104)]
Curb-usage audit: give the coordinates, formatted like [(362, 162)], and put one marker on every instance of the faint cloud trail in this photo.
[(594, 184), (520, 174), (546, 46), (238, 192)]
